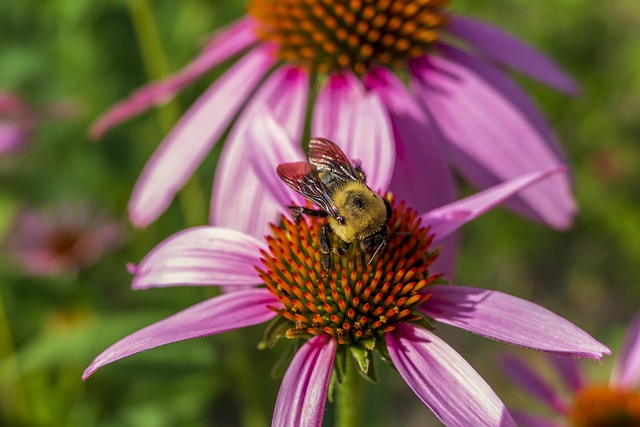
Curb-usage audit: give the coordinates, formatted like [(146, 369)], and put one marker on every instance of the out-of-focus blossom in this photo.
[(18, 119), (460, 109), (61, 241), (584, 403), (354, 308), (16, 123)]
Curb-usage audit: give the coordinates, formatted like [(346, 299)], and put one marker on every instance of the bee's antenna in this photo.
[(380, 246)]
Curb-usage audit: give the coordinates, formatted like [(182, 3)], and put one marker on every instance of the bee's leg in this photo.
[(376, 243), (342, 250), (297, 211), (325, 247)]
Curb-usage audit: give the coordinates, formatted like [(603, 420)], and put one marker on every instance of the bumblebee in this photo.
[(331, 182)]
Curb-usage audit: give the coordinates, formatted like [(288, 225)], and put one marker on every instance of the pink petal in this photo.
[(487, 150), (524, 419), (626, 370), (569, 371), (423, 178), (451, 217), (303, 392), (513, 320), (239, 198), (443, 380), (213, 316), (370, 140), (201, 256), (533, 383), (225, 43), (359, 124), (507, 88), (268, 146), (333, 104), (195, 134), (511, 52)]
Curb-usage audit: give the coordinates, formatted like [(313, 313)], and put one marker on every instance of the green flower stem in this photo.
[(13, 400), (349, 398), (192, 199), (242, 375)]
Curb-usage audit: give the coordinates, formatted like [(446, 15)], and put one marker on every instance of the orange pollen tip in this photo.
[(353, 300), (333, 35)]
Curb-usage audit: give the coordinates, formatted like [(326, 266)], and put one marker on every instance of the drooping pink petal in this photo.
[(533, 383), (524, 419), (451, 217), (198, 130), (213, 316), (507, 88), (626, 370), (513, 320), (423, 178), (569, 371), (443, 380), (359, 123), (333, 104), (511, 52), (268, 146), (303, 392), (370, 140), (490, 140), (201, 256), (239, 198), (226, 43)]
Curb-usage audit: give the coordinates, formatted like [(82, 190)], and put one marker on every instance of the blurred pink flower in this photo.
[(18, 119), (587, 404), (63, 241), (353, 306), (460, 110), (16, 123)]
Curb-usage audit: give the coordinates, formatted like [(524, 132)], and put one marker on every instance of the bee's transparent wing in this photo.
[(303, 178), (327, 156)]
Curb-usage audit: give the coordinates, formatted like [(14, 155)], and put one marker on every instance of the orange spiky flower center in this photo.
[(354, 302), (328, 35), (602, 406)]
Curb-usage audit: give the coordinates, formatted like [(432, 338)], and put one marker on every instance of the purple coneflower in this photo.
[(63, 241), (585, 404), (460, 110), (18, 119), (353, 309), (16, 122)]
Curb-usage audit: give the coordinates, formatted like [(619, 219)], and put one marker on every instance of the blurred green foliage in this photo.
[(89, 52)]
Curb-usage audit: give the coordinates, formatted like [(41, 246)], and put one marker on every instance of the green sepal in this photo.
[(384, 352), (275, 330), (371, 375), (340, 365), (361, 355), (283, 362), (332, 385)]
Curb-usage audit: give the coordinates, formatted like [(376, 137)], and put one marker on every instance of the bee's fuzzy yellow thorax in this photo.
[(364, 212)]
